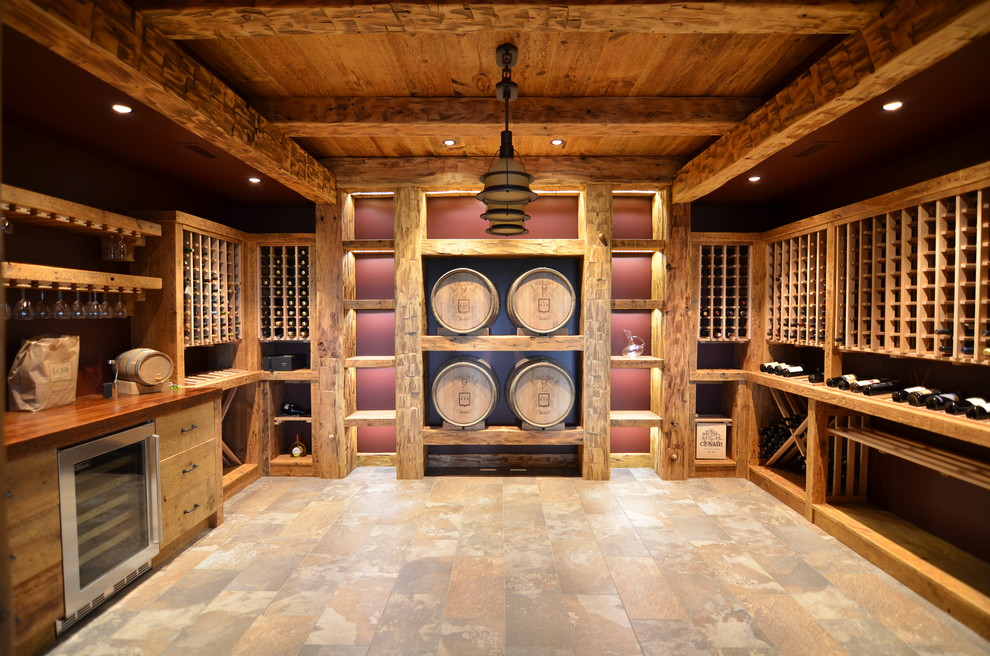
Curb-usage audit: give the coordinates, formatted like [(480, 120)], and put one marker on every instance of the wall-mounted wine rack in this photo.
[(284, 298), (724, 293), (915, 282), (796, 295), (211, 273)]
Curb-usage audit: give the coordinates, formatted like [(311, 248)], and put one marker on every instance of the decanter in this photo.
[(634, 345)]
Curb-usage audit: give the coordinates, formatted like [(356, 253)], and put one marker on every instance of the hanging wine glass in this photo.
[(5, 312), (119, 308), (59, 308), (76, 309), (92, 308), (23, 309), (41, 309), (105, 311)]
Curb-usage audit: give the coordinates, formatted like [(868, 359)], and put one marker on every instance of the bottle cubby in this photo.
[(284, 293), (724, 293), (913, 282), (796, 294), (211, 289)]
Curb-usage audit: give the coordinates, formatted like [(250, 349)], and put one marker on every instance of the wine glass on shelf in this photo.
[(105, 311), (23, 308), (92, 308), (76, 309), (41, 309), (60, 310)]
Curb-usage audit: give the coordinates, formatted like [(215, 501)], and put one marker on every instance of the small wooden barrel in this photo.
[(465, 390), (145, 366), (540, 391), (464, 301), (540, 301)]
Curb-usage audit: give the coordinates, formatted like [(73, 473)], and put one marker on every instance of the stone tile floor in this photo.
[(525, 566)]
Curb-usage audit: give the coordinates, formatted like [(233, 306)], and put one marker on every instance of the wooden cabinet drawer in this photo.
[(183, 430), (190, 506), (188, 468)]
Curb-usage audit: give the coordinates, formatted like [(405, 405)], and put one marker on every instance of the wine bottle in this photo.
[(979, 411), (901, 396), (858, 385), (298, 448), (816, 378), (834, 382), (921, 397), (961, 406), (767, 366), (794, 370), (939, 401), (883, 387)]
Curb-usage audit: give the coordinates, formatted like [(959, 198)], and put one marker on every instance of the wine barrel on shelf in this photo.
[(464, 301), (540, 391), (540, 301), (144, 365), (465, 390)]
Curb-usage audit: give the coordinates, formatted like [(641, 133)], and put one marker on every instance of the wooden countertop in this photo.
[(91, 416)]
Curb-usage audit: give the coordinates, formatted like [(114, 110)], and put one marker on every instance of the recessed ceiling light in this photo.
[(557, 142), (449, 142), (122, 109), (893, 106), (254, 180), (754, 178)]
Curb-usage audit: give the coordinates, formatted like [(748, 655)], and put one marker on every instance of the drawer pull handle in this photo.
[(193, 468), (186, 430), (193, 509), (12, 557), (9, 495)]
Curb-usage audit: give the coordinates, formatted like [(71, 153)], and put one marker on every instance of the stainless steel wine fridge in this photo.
[(110, 504)]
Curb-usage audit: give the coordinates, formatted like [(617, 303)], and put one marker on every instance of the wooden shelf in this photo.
[(960, 428), (723, 292), (639, 362), (370, 361), (638, 245), (787, 487), (503, 343), (16, 274), (504, 247), (502, 435), (31, 207), (630, 418), (369, 245), (718, 375), (288, 419), (796, 272), (369, 304), (239, 477), (298, 375), (224, 379), (370, 418), (639, 304), (286, 465), (284, 278), (942, 573)]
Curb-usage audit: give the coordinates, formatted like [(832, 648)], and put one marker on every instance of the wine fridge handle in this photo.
[(155, 493)]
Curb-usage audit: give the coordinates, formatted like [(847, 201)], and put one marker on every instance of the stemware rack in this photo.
[(724, 293), (284, 297), (916, 282), (796, 294), (211, 281)]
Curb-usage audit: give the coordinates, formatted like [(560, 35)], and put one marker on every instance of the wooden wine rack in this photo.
[(211, 281), (914, 282), (796, 294), (724, 293), (284, 297)]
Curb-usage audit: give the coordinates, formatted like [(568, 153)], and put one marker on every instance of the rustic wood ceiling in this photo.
[(694, 92)]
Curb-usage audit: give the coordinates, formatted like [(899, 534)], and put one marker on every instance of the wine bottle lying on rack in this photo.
[(904, 395), (816, 377), (921, 398), (839, 380), (792, 371), (979, 411), (767, 367), (883, 387), (939, 401), (858, 385), (962, 406)]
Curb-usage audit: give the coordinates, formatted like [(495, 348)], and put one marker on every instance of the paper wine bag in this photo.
[(44, 373)]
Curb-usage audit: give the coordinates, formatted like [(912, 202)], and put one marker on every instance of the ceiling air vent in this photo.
[(814, 148), (202, 150)]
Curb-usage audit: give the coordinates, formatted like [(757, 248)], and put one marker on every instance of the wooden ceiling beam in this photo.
[(483, 117), (431, 173), (908, 37), (110, 40), (195, 19)]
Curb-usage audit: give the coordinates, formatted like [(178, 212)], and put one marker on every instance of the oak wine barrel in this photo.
[(540, 391), (465, 390), (464, 301), (144, 365), (540, 301)]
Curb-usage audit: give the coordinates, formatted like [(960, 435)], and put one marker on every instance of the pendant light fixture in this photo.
[(506, 191)]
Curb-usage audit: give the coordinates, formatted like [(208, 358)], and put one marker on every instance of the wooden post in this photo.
[(658, 273), (816, 481), (333, 453), (6, 589), (410, 322), (596, 308), (678, 392), (752, 402), (832, 366)]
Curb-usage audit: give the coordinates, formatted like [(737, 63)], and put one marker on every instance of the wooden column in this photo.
[(752, 402), (6, 589), (410, 323), (816, 483), (595, 216), (658, 291), (680, 349), (333, 453), (833, 358)]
